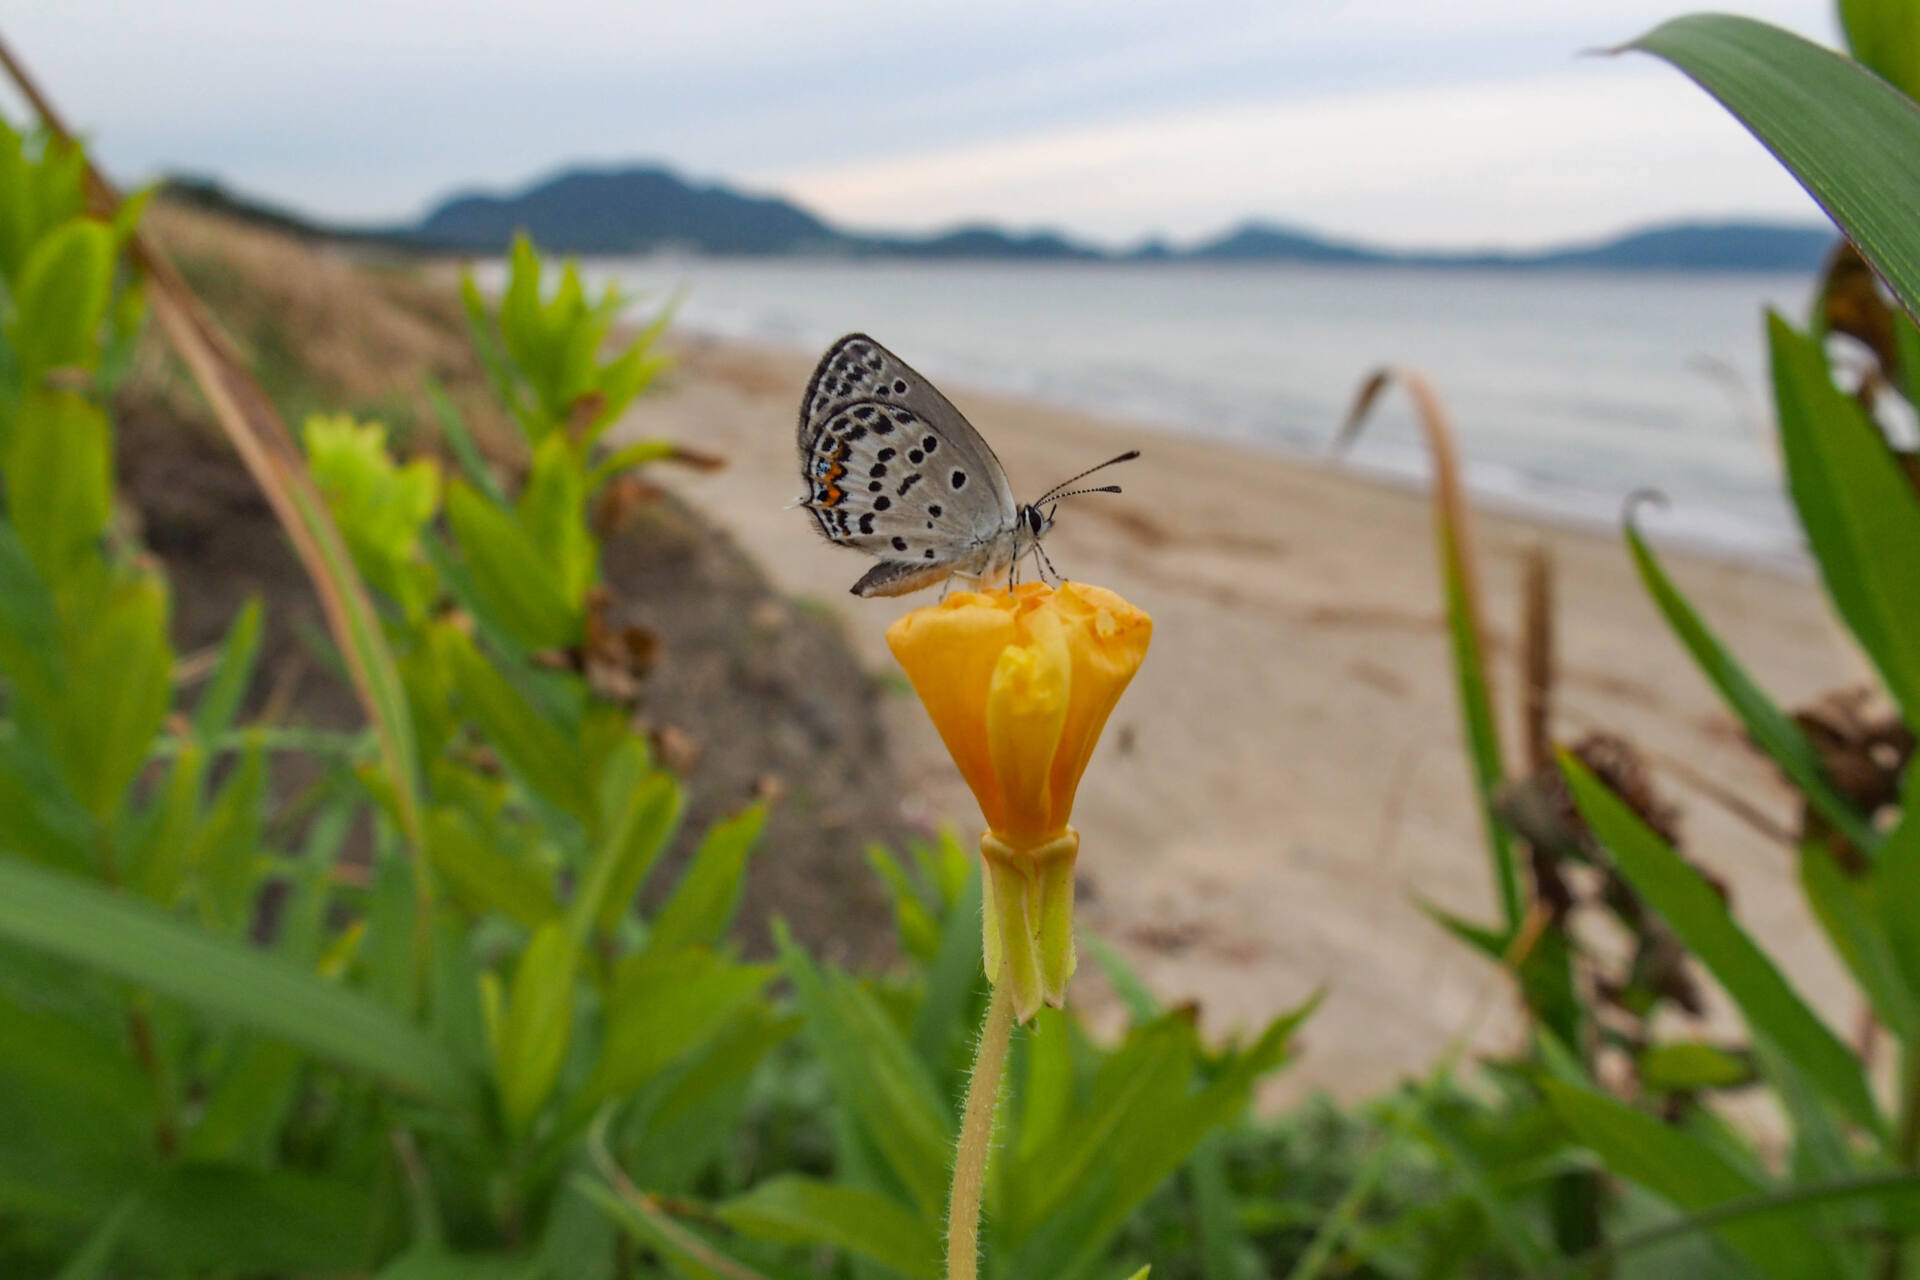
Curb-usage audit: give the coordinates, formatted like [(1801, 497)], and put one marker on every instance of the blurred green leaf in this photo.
[(1850, 911), (662, 1008), (30, 653), (59, 482), (141, 945), (196, 1219), (436, 1262), (538, 1023), (95, 1259), (466, 450), (121, 670), (510, 574), (546, 760), (1885, 36), (1140, 1003), (703, 902), (875, 1076), (381, 506), (1861, 512), (552, 510), (61, 299), (691, 1254), (1850, 138), (1697, 914), (1223, 1245), (226, 688), (1691, 1174), (223, 855), (1688, 1065), (484, 874), (801, 1210), (1771, 728), (1896, 889), (640, 830), (244, 1111)]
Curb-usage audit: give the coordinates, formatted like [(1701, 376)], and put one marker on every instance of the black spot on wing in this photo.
[(958, 479)]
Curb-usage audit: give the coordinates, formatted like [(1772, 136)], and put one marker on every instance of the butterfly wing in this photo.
[(893, 469)]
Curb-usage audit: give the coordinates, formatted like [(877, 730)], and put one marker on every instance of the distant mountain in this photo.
[(1685, 246), (1262, 242), (1703, 246), (649, 208), (627, 211)]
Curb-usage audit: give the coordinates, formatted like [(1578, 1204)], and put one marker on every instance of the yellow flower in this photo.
[(1020, 683)]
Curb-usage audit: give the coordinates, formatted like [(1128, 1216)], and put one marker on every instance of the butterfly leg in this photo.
[(1047, 570)]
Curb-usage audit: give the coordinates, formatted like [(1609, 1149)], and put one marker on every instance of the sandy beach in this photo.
[(1285, 780)]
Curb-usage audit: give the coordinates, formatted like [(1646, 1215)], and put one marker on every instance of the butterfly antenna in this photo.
[(1054, 492), (1074, 493)]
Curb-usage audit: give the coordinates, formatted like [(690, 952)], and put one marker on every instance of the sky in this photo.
[(1410, 123)]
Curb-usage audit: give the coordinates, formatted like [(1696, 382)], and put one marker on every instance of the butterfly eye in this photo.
[(1033, 520)]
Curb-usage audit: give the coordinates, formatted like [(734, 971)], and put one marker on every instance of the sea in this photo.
[(1568, 390)]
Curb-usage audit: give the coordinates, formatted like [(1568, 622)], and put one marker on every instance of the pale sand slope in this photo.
[(1285, 777)]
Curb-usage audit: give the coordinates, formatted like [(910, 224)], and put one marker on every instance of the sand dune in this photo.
[(1285, 778)]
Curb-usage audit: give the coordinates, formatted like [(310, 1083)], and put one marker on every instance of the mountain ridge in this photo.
[(646, 208)]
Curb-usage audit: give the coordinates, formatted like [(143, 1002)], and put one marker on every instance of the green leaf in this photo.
[(466, 450), (1141, 1005), (1697, 914), (1687, 1065), (875, 1076), (1894, 885), (1850, 910), (485, 875), (636, 836), (538, 1025), (1860, 511), (691, 1254), (1688, 1172), (545, 759), (552, 509), (217, 707), (800, 1210), (1222, 1243), (95, 1259), (662, 1009), (1851, 139), (1772, 729), (121, 670), (436, 1262), (146, 947), (223, 854), (222, 1219), (703, 903), (61, 299), (511, 575), (1885, 35), (30, 651), (59, 476)]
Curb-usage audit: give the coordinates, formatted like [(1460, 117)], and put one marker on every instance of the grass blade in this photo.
[(223, 978), (1697, 914), (1851, 139), (1453, 529), (1860, 511), (1772, 729)]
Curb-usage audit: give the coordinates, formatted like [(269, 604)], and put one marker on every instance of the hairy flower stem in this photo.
[(976, 1138)]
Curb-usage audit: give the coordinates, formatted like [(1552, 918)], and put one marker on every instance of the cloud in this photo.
[(1521, 161), (1115, 119)]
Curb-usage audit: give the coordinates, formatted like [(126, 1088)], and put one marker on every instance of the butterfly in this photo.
[(894, 470)]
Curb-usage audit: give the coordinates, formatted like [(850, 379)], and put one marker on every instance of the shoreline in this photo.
[(1285, 783), (1793, 563)]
